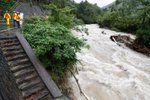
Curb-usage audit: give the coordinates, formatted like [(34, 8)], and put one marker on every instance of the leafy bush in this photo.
[(53, 43)]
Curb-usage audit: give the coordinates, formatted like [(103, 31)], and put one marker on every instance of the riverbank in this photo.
[(131, 43)]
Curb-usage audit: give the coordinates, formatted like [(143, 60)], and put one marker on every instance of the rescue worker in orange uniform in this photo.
[(7, 17), (18, 19), (14, 16)]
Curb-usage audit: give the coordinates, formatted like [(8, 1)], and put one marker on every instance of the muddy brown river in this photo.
[(109, 71)]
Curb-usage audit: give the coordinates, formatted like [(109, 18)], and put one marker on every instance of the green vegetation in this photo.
[(52, 40), (63, 16), (143, 33), (129, 16), (120, 16), (6, 5), (56, 46), (88, 12), (84, 11)]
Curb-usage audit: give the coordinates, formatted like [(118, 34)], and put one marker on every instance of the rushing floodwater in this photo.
[(109, 71)]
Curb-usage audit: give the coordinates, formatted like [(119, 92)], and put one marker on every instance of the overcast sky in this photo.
[(100, 3)]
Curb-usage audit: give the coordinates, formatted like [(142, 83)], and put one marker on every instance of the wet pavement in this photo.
[(3, 26), (7, 29)]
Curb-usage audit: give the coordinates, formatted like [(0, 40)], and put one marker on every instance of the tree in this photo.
[(63, 16), (130, 16), (88, 12), (143, 33)]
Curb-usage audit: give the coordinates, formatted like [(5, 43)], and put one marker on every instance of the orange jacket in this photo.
[(14, 16), (18, 18), (7, 15)]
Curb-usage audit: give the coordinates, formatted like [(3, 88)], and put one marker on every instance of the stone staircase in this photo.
[(26, 76), (32, 80)]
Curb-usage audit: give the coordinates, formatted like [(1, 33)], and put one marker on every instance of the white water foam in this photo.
[(109, 71)]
